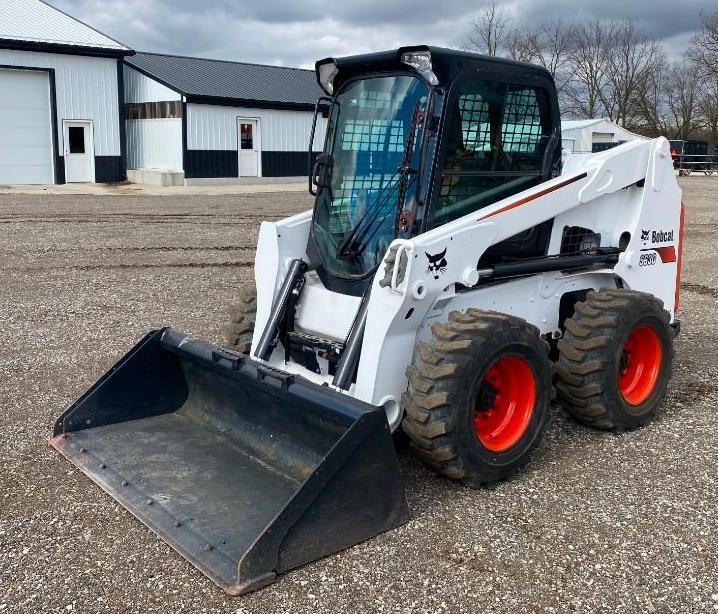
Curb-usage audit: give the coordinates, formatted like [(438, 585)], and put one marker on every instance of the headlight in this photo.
[(421, 61), (327, 72)]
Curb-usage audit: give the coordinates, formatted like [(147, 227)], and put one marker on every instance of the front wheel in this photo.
[(478, 398)]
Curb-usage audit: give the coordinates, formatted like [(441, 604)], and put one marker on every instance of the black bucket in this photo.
[(244, 470)]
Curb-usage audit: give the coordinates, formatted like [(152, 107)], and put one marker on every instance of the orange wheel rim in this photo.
[(639, 365), (505, 403)]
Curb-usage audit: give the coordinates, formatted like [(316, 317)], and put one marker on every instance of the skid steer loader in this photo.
[(456, 269)]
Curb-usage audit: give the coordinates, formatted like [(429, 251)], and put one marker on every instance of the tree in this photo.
[(682, 89), (629, 58), (588, 60), (518, 45), (489, 30), (651, 101), (551, 45), (704, 45), (707, 107)]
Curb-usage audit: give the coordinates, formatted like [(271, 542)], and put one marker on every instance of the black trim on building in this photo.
[(210, 163), (248, 103), (285, 163), (122, 126), (108, 169), (206, 163), (59, 161), (20, 45), (185, 157), (59, 169)]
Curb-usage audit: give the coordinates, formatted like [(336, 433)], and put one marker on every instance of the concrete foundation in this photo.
[(155, 177), (243, 180)]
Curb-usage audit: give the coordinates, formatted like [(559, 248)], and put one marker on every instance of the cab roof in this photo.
[(447, 64)]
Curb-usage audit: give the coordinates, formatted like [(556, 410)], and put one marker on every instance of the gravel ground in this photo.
[(597, 523)]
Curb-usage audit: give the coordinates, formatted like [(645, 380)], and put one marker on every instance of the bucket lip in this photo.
[(155, 516)]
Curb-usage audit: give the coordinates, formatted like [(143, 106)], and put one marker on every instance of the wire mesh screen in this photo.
[(521, 126), (375, 144), (373, 135), (495, 145), (475, 127), (579, 240), (356, 195)]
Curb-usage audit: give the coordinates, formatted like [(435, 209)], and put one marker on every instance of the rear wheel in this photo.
[(478, 397), (615, 359), (241, 323)]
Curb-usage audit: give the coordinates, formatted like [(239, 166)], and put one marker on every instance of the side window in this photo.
[(496, 139)]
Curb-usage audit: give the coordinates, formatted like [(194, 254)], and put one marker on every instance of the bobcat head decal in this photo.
[(644, 235), (437, 263)]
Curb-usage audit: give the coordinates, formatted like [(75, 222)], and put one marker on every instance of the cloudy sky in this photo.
[(297, 32)]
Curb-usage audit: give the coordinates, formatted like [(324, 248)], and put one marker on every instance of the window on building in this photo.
[(76, 139), (246, 136), (166, 109)]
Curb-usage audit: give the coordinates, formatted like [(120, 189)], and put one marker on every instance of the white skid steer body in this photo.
[(628, 194)]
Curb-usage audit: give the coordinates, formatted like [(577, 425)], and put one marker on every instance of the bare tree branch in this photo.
[(589, 52), (489, 30)]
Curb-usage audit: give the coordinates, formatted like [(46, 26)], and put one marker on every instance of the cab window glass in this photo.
[(497, 134)]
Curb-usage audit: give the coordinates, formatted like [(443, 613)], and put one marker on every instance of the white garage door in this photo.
[(25, 127), (603, 137)]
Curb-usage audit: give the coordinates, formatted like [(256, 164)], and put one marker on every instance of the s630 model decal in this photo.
[(648, 259)]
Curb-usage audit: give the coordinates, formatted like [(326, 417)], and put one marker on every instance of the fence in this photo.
[(696, 163)]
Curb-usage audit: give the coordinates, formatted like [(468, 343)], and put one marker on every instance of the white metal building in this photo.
[(60, 98), (589, 135), (197, 120)]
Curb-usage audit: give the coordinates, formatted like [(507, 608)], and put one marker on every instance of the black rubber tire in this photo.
[(443, 383), (590, 354), (242, 316)]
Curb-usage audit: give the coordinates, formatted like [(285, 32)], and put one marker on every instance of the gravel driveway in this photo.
[(597, 523)]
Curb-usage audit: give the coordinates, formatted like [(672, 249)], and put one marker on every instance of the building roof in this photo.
[(39, 25), (233, 83), (578, 124)]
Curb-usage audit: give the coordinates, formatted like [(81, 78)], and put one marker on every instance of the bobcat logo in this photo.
[(437, 263), (644, 235)]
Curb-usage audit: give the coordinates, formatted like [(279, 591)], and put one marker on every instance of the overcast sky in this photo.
[(298, 32)]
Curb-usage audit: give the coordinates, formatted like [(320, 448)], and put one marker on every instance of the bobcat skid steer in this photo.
[(455, 271)]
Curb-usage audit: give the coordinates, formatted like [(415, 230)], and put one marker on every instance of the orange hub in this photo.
[(505, 403), (640, 364)]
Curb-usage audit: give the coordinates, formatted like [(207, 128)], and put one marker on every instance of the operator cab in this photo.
[(416, 138)]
